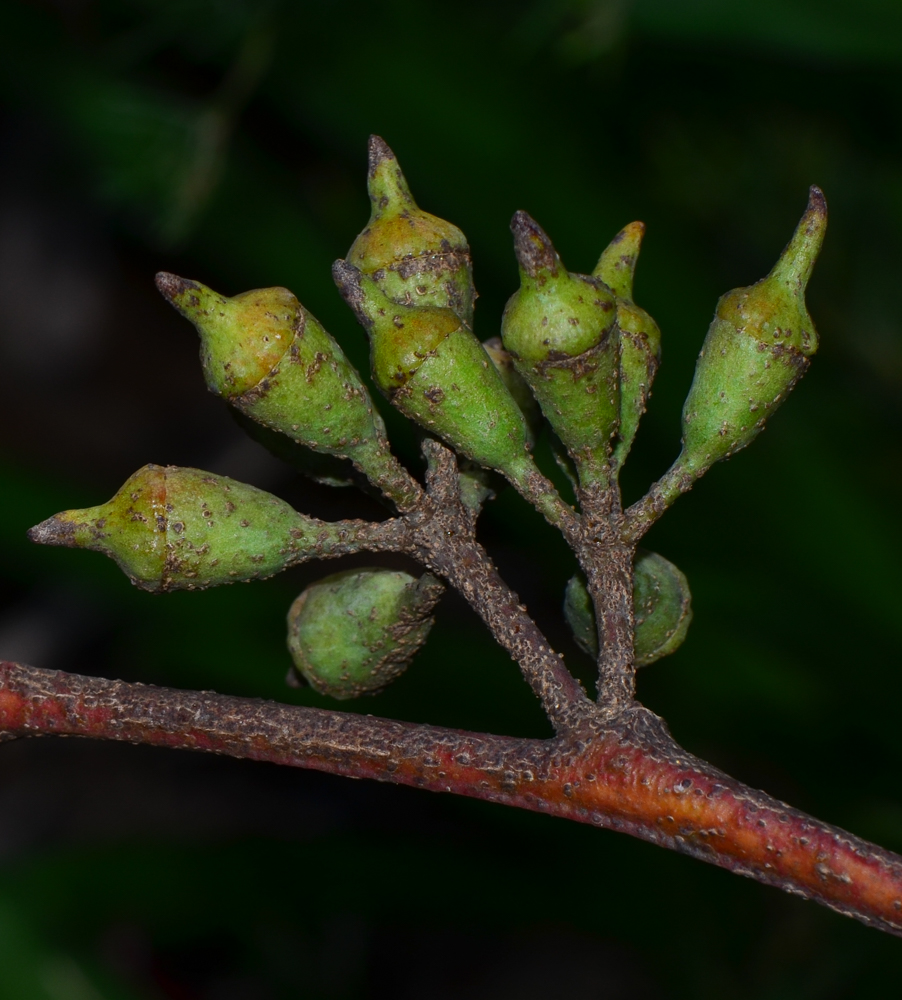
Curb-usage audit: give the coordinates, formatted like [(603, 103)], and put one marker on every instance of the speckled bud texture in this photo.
[(758, 346), (170, 528), (354, 632)]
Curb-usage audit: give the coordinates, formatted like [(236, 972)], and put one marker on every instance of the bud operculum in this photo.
[(640, 337), (354, 632), (560, 329), (415, 258), (171, 528)]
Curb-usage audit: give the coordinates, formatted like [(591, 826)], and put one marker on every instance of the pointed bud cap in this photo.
[(797, 261), (415, 257), (386, 184), (555, 315), (242, 338), (773, 310), (617, 265), (402, 336), (398, 228)]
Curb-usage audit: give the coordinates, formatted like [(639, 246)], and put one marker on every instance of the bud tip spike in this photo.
[(535, 251), (379, 150), (386, 183), (53, 531), (171, 286), (617, 265), (797, 260)]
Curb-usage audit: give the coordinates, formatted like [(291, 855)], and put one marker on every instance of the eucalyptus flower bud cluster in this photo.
[(575, 353)]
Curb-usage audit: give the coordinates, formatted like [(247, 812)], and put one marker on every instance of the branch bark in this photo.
[(627, 775)]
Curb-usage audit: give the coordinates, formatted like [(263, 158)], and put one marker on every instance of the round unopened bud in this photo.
[(354, 632), (662, 609), (435, 371), (414, 257), (478, 484), (170, 528), (560, 329), (757, 348), (640, 337)]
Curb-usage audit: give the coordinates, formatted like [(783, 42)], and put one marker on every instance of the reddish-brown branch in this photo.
[(629, 776)]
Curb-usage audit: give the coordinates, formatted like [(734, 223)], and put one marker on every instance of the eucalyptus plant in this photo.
[(577, 355)]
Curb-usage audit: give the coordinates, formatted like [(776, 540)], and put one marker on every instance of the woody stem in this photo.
[(628, 775)]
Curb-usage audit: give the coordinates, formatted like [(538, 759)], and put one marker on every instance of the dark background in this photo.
[(226, 141)]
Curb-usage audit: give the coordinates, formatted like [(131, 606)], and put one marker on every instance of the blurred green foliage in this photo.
[(226, 141)]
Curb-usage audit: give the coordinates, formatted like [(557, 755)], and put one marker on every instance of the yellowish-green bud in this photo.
[(414, 257), (640, 337), (758, 346), (560, 329), (435, 371), (270, 358), (171, 528)]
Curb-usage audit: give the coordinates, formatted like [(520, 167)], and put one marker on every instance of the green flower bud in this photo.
[(757, 348), (183, 529), (414, 257), (478, 484), (355, 632), (640, 337), (560, 329), (662, 609), (435, 371), (270, 358)]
